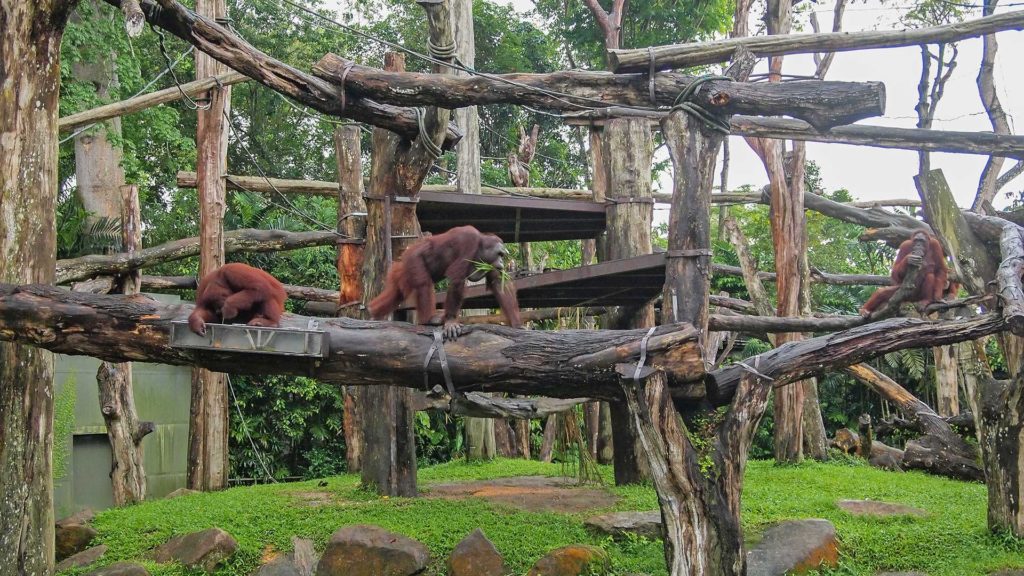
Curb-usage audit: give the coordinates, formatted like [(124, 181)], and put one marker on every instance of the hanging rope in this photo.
[(683, 102), (428, 143)]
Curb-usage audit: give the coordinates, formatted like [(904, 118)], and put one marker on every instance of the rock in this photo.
[(83, 516), (796, 546), (300, 562), (364, 550), (120, 569), (71, 538), (617, 524), (83, 558), (203, 550), (881, 509), (476, 556), (578, 560), (181, 492)]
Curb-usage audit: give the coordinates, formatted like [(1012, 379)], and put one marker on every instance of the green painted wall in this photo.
[(161, 395)]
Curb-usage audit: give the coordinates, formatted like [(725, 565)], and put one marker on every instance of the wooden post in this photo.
[(350, 270), (208, 418), (28, 248), (117, 398), (628, 150)]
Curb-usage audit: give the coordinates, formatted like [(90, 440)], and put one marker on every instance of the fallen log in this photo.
[(798, 360), (244, 240), (939, 450), (701, 53), (555, 364), (822, 104)]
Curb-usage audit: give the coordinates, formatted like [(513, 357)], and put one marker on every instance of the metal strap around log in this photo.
[(438, 346), (643, 355), (628, 200), (694, 253), (650, 77)]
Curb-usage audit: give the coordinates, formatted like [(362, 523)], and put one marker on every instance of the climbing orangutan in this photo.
[(932, 276), (238, 294), (460, 254)]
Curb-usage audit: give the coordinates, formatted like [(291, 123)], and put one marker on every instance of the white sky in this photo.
[(877, 173)]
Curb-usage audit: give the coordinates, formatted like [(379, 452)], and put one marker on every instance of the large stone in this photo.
[(120, 569), (880, 509), (617, 524), (794, 547), (181, 492), (578, 560), (71, 538), (476, 556), (363, 550), (83, 516), (83, 558), (203, 550)]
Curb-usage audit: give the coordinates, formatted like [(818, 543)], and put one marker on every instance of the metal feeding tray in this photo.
[(311, 342)]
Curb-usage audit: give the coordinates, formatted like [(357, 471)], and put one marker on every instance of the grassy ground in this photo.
[(952, 540)]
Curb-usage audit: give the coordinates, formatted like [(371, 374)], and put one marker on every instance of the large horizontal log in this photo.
[(701, 53), (246, 239), (480, 405), (821, 103), (229, 48), (779, 324), (330, 189), (307, 293), (985, 143), (556, 364), (798, 360), (144, 101)]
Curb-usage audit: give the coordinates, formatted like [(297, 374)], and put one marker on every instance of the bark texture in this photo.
[(30, 83)]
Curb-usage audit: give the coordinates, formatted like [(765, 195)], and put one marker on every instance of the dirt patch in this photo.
[(880, 509), (315, 499), (531, 493)]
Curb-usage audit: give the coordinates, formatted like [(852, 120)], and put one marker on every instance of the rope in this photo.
[(189, 102), (683, 102), (441, 52), (753, 369), (424, 137), (344, 74)]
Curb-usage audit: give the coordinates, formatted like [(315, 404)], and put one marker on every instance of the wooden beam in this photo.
[(557, 364), (702, 53), (246, 239), (144, 101), (307, 293), (821, 103), (227, 47)]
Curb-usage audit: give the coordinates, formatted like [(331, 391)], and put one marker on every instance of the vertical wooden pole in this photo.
[(594, 250), (627, 154), (350, 270), (208, 419), (389, 457)]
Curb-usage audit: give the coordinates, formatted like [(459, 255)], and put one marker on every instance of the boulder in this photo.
[(181, 492), (205, 550), (83, 516), (577, 560), (120, 569), (71, 538), (476, 556), (617, 524), (794, 547), (83, 558), (364, 550), (880, 509)]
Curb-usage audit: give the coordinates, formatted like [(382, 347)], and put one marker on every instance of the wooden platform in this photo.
[(512, 218)]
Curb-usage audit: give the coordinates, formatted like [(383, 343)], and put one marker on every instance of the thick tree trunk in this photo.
[(547, 443), (628, 149), (350, 272), (1001, 429), (208, 415), (30, 59), (947, 390)]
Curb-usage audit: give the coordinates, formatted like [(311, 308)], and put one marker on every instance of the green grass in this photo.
[(952, 540)]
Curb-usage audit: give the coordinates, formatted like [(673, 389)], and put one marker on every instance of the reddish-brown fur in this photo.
[(449, 255), (238, 294), (932, 277)]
